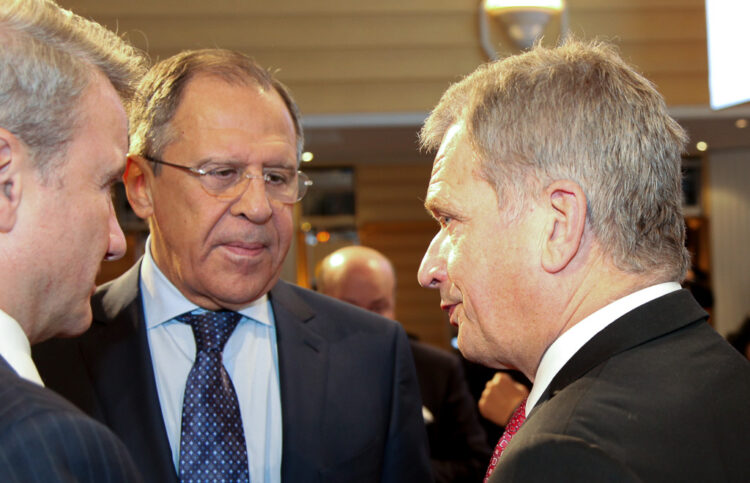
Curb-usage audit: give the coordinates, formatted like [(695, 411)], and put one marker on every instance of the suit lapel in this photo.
[(118, 354), (647, 322), (303, 367)]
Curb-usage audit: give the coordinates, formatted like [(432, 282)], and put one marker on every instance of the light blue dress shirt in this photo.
[(250, 358)]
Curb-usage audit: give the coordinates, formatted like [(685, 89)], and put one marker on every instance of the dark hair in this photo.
[(160, 93)]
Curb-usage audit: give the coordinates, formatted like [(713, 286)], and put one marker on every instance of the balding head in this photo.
[(360, 276)]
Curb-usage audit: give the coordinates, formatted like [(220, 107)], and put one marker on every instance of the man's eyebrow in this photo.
[(280, 165), (430, 204), (435, 205)]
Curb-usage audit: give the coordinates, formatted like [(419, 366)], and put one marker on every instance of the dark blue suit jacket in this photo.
[(351, 408), (656, 396), (458, 445), (44, 438)]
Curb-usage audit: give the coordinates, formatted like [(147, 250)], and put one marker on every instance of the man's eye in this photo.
[(444, 220), (224, 173), (277, 178)]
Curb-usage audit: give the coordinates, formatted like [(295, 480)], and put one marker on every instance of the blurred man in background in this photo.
[(364, 277)]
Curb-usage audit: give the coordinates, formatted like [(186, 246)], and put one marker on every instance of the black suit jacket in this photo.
[(656, 396), (458, 445), (351, 409), (45, 438)]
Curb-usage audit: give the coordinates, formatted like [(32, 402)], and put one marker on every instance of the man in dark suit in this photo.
[(557, 188), (63, 143), (305, 388), (364, 277)]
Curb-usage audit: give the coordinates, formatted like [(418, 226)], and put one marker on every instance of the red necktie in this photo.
[(516, 420)]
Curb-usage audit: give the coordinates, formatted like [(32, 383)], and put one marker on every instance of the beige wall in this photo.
[(729, 174), (344, 56)]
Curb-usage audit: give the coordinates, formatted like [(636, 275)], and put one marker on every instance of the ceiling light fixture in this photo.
[(524, 21)]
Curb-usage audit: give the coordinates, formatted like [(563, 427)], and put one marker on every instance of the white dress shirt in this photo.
[(16, 350), (565, 347), (250, 358)]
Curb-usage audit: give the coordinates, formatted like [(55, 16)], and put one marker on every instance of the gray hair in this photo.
[(47, 60), (160, 92), (579, 112)]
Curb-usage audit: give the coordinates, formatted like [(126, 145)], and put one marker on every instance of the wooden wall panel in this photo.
[(349, 56), (391, 218), (388, 192), (398, 56), (417, 308)]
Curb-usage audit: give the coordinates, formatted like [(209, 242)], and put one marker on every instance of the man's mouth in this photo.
[(450, 308), (245, 249)]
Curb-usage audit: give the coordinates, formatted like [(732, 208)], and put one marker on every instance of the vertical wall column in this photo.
[(729, 191)]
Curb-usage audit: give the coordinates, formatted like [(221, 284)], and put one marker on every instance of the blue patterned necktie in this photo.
[(212, 441)]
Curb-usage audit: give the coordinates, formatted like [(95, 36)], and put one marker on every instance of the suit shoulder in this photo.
[(44, 437), (620, 404), (21, 399), (566, 459)]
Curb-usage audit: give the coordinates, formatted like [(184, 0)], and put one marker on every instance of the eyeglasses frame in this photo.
[(304, 180)]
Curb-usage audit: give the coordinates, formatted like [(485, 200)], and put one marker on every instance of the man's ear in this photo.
[(138, 180), (13, 157), (566, 205)]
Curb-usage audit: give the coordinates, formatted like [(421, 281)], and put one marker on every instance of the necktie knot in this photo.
[(211, 330)]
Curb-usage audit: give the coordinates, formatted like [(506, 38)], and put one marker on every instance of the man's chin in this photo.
[(64, 326), (474, 352), (75, 326), (465, 346)]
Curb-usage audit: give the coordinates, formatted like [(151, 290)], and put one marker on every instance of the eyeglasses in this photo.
[(228, 182)]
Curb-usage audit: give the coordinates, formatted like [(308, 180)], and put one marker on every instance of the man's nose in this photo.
[(253, 202), (432, 269), (117, 244)]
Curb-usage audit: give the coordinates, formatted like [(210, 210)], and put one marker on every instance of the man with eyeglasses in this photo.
[(204, 363)]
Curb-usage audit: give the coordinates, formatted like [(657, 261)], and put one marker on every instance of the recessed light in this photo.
[(740, 123), (701, 146), (307, 156)]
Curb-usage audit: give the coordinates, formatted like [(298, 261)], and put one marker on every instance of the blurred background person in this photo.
[(364, 277)]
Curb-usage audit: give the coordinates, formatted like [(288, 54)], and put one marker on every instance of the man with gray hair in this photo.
[(557, 189), (202, 333), (63, 144)]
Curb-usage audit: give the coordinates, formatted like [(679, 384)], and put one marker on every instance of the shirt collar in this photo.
[(565, 346), (162, 301), (16, 350)]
